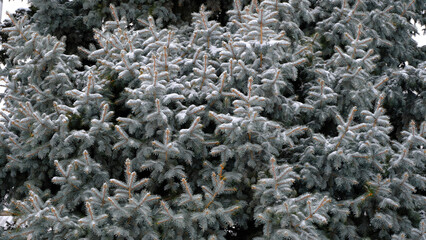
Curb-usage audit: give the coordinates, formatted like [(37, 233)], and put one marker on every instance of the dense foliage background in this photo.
[(277, 120)]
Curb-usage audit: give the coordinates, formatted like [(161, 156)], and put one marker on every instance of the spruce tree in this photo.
[(293, 120)]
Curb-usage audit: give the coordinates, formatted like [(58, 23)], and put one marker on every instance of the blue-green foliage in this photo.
[(274, 126)]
